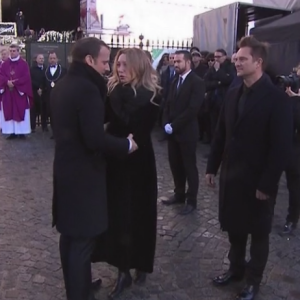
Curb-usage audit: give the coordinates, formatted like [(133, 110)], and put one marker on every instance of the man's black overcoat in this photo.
[(253, 150)]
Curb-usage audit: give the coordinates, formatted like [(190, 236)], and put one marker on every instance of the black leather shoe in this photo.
[(289, 227), (124, 281), (248, 293), (187, 210), (226, 278), (96, 285), (12, 137), (174, 200), (140, 277)]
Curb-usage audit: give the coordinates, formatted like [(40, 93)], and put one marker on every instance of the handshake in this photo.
[(132, 144)]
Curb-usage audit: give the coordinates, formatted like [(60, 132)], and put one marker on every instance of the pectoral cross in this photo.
[(12, 73)]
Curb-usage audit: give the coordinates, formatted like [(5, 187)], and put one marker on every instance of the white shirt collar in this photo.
[(184, 76), (15, 59)]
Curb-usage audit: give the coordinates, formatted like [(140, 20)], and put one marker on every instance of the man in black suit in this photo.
[(37, 73), (79, 196), (180, 121), (167, 78), (253, 141), (53, 73)]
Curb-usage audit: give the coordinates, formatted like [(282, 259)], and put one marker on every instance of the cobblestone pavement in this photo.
[(190, 249)]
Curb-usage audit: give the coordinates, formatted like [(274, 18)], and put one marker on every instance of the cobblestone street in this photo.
[(190, 249)]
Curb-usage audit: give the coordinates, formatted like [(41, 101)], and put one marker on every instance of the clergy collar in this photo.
[(15, 59)]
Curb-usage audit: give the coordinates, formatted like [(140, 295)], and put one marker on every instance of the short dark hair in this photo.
[(186, 54), (222, 51), (87, 46), (52, 52), (258, 49)]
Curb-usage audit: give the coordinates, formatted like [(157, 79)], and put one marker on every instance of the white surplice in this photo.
[(14, 127)]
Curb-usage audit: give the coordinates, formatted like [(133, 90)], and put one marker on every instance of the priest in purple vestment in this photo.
[(16, 95)]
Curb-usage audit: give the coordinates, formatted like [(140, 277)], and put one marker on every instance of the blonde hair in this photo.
[(140, 70)]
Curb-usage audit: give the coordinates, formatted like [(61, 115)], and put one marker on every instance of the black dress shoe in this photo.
[(12, 137), (187, 210), (124, 281), (96, 285), (174, 200), (140, 277), (226, 278), (248, 293), (289, 227)]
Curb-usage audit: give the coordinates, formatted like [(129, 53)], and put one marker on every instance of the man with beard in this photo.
[(79, 169), (180, 121), (252, 141)]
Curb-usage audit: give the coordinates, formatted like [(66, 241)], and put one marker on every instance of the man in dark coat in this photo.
[(217, 81), (37, 72), (180, 121), (20, 23), (79, 197), (253, 141), (292, 172), (167, 78)]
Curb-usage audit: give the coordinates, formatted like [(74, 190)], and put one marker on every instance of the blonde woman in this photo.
[(132, 107)]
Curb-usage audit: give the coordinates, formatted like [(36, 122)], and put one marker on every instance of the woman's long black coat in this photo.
[(131, 184), (253, 150)]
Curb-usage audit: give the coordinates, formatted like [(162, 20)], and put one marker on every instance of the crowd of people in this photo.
[(26, 102), (104, 171)]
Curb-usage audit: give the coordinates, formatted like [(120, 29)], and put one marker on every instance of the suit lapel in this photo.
[(184, 85)]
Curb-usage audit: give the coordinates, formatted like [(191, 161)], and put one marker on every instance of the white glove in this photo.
[(168, 129)]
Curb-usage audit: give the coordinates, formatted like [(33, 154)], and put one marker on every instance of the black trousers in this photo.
[(204, 126), (183, 164), (75, 254), (35, 110), (292, 174), (259, 252), (44, 113)]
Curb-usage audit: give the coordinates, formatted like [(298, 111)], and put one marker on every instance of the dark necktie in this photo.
[(179, 83)]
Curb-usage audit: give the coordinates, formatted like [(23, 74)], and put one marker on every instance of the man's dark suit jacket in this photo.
[(166, 81), (182, 108)]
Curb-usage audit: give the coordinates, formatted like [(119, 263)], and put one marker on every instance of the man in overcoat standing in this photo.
[(253, 141), (79, 197)]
